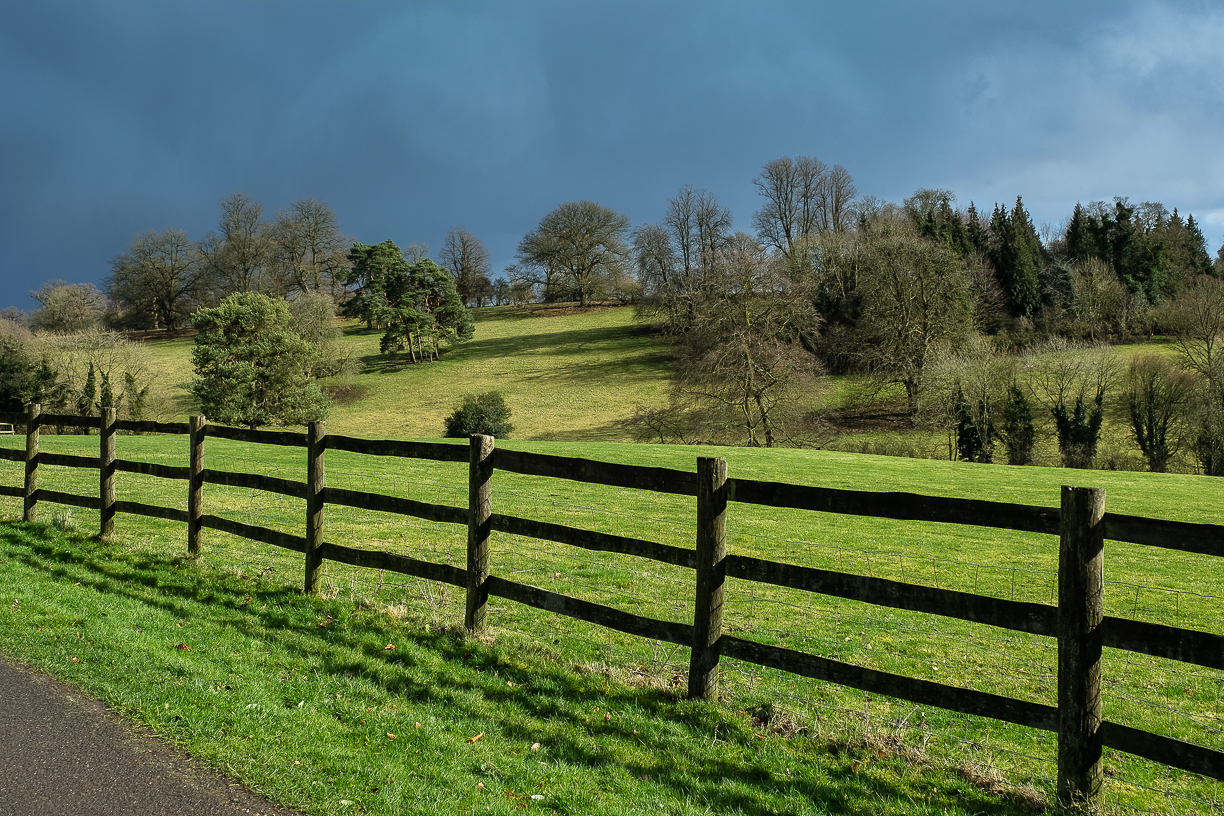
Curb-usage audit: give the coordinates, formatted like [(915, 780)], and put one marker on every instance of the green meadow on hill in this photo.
[(566, 375)]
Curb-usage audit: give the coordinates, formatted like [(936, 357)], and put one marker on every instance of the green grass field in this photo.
[(572, 380), (1147, 584)]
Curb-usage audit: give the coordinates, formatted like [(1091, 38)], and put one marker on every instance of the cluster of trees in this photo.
[(73, 373), (830, 281), (417, 304), (163, 278), (262, 294)]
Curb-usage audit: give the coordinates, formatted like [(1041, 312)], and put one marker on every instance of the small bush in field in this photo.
[(481, 414)]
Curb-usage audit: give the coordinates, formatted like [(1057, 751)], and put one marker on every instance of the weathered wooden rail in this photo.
[(1077, 622)]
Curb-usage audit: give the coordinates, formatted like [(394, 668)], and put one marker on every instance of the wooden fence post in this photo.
[(106, 472), (31, 463), (711, 575), (480, 507), (197, 430), (1081, 558), (316, 481)]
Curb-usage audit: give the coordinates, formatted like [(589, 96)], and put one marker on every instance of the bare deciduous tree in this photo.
[(239, 253), (468, 261), (673, 257), (743, 368), (915, 301), (68, 308), (803, 196), (310, 250), (1196, 319), (159, 281), (575, 251)]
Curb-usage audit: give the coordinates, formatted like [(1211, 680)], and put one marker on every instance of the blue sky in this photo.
[(409, 118)]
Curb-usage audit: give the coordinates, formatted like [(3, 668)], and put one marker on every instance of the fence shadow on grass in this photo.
[(466, 676)]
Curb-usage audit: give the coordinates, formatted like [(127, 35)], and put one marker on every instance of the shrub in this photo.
[(481, 414)]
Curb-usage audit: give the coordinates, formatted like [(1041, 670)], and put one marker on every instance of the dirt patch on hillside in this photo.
[(160, 334), (870, 420), (564, 309), (345, 394)]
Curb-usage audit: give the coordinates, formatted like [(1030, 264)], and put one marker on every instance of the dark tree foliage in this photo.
[(371, 266), (24, 381), (1017, 431), (85, 400), (480, 414), (1196, 247), (417, 305), (974, 430), (1156, 398), (251, 367), (1153, 252), (135, 396), (1016, 252), (936, 220), (975, 230), (422, 306), (1209, 435), (1079, 429)]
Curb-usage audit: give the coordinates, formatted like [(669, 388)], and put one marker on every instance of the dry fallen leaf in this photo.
[(183, 647), (535, 747), (389, 646), (390, 735), (607, 716), (478, 736)]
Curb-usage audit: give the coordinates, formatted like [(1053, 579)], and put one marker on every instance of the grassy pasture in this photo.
[(566, 376), (572, 379), (1142, 583), (332, 707)]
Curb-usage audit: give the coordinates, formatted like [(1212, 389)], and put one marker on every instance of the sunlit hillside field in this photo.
[(565, 376), (572, 375)]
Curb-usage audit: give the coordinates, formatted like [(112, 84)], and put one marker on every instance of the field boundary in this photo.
[(1077, 622)]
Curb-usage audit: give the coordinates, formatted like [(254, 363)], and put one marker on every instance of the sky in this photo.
[(409, 118)]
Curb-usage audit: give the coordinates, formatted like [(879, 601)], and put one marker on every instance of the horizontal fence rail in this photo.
[(1076, 622), (898, 506)]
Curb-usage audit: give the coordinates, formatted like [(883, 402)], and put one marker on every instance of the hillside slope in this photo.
[(566, 374)]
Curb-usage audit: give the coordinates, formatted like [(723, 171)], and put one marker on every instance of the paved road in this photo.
[(65, 754)]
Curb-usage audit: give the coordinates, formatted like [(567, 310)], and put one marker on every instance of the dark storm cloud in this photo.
[(409, 118)]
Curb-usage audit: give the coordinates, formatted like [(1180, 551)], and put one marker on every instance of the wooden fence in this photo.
[(1078, 622)]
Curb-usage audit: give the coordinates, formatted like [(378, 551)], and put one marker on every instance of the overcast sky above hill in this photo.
[(412, 117)]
